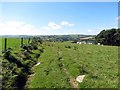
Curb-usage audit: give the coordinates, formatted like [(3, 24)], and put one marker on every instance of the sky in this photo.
[(57, 18)]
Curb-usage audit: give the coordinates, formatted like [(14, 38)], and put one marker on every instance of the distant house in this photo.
[(83, 42), (98, 43), (79, 43), (89, 43), (86, 40)]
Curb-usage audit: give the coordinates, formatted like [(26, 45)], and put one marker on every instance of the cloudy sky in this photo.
[(57, 18)]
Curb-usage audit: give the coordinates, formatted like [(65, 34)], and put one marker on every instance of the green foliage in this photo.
[(67, 46), (17, 64), (109, 37)]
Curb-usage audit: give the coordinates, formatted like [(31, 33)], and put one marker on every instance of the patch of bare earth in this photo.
[(72, 80)]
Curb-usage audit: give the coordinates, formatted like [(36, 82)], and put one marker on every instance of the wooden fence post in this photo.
[(21, 42), (5, 46), (86, 41), (28, 40)]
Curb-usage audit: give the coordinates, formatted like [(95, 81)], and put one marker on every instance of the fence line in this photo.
[(6, 41), (5, 45)]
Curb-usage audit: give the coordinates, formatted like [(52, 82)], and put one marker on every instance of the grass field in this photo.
[(12, 42), (61, 63)]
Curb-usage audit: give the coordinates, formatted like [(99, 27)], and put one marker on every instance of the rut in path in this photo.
[(72, 80)]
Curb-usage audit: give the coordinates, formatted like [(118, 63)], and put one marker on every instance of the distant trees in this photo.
[(109, 37)]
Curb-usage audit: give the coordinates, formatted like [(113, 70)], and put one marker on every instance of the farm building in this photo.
[(86, 40)]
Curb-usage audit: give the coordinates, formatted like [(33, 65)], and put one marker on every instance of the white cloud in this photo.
[(71, 25), (45, 28), (0, 21), (23, 28), (53, 26), (118, 18), (65, 23), (17, 28), (89, 30)]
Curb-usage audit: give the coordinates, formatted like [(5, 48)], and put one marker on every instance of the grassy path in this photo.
[(61, 63), (72, 80), (49, 74)]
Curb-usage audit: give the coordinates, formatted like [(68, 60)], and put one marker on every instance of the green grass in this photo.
[(0, 45), (48, 74), (12, 42), (98, 63)]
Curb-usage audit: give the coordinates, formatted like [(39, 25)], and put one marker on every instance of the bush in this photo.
[(17, 65), (68, 46), (27, 55), (7, 54), (41, 50), (109, 37), (20, 80), (12, 59), (37, 55)]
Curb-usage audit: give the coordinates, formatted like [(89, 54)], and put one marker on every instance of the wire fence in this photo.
[(13, 43)]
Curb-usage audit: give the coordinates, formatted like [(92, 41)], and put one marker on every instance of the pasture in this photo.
[(62, 62), (12, 43)]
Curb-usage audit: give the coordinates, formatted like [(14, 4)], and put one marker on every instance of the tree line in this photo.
[(109, 37)]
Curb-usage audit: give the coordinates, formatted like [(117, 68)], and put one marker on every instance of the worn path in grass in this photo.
[(49, 74), (72, 80), (60, 67)]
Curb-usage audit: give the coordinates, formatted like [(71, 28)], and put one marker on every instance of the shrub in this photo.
[(27, 55), (41, 50), (20, 80), (68, 46), (37, 55), (7, 54)]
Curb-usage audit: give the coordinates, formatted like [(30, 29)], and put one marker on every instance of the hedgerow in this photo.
[(17, 64)]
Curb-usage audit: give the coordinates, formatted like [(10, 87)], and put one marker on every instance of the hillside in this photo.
[(61, 63), (44, 64), (70, 37)]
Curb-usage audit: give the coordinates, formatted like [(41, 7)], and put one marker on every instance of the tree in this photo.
[(109, 37)]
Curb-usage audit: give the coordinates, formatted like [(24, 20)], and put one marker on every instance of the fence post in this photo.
[(86, 41), (28, 40), (21, 42), (5, 46)]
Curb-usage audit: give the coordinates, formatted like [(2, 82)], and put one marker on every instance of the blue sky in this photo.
[(58, 18)]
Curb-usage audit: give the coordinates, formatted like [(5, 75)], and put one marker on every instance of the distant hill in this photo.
[(15, 36), (71, 37), (74, 37)]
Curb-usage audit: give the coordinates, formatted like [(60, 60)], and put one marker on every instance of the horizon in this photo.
[(58, 18), (48, 35)]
